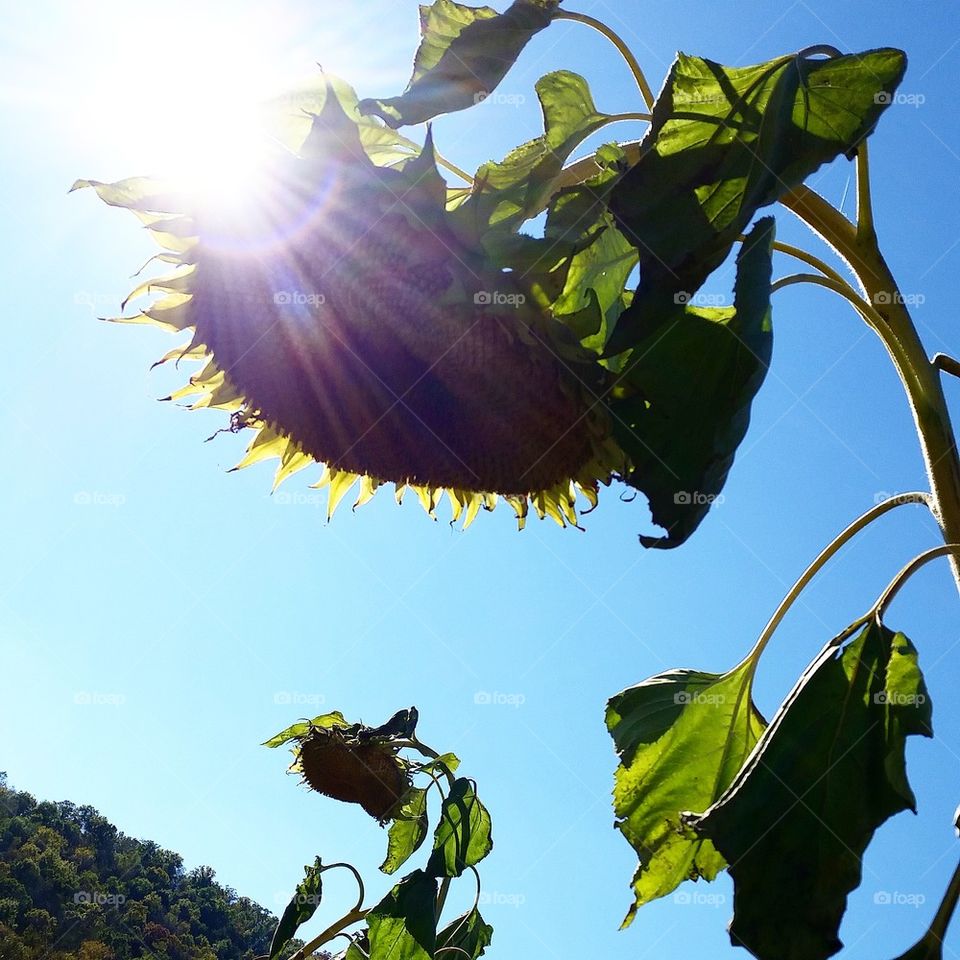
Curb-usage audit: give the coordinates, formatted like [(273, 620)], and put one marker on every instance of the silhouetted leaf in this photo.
[(300, 909), (468, 934), (464, 53), (829, 770), (683, 401), (726, 141)]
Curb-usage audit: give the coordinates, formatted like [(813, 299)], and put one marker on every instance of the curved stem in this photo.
[(354, 916), (824, 557), (947, 364), (840, 287), (918, 374), (885, 598), (617, 41), (634, 115), (798, 253), (356, 873)]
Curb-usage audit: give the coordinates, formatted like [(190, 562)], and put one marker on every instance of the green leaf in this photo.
[(464, 53), (682, 405), (726, 141), (462, 838), (519, 187), (828, 772), (300, 909), (299, 729), (408, 830), (468, 934), (403, 925), (593, 295), (681, 736), (445, 763)]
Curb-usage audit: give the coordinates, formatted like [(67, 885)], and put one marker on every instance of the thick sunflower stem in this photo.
[(917, 372)]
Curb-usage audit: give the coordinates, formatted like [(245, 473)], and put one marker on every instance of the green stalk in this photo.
[(917, 372)]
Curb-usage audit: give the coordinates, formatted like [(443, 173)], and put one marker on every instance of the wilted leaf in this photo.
[(681, 736), (828, 772), (725, 141), (300, 909), (326, 721), (462, 838), (408, 830), (683, 404), (403, 925), (464, 53)]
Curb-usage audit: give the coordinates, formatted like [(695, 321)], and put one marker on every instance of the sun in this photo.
[(189, 110)]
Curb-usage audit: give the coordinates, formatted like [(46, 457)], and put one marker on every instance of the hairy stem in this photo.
[(918, 374), (617, 41)]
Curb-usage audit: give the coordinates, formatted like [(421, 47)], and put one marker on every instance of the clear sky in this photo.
[(160, 617)]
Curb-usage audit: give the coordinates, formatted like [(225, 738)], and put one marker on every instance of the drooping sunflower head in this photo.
[(349, 320)]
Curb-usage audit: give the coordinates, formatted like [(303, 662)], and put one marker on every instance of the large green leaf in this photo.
[(403, 925), (408, 830), (462, 838), (518, 187), (683, 401), (726, 141), (827, 773), (469, 934), (682, 736), (300, 909), (464, 53)]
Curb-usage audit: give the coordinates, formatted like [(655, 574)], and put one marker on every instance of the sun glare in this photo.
[(188, 111)]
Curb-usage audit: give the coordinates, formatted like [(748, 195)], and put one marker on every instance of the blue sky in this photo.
[(160, 617)]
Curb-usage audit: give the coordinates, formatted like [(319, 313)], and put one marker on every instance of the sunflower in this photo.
[(345, 318)]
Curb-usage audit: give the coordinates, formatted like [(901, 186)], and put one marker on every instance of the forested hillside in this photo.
[(73, 887)]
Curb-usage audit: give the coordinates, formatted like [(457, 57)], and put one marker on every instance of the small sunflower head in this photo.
[(348, 321)]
